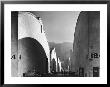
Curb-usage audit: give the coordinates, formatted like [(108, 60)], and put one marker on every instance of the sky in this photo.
[(59, 26)]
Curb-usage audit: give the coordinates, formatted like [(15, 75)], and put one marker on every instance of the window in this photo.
[(41, 28)]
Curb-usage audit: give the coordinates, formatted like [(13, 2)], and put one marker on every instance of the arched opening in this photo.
[(32, 57)]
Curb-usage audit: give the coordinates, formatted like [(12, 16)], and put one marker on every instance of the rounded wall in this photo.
[(87, 41), (80, 45), (30, 26)]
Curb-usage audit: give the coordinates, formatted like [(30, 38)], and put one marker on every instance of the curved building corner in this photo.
[(33, 49), (86, 45)]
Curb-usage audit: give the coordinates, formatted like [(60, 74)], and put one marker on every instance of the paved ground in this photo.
[(65, 74)]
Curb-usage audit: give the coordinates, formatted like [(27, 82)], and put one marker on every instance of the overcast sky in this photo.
[(59, 25)]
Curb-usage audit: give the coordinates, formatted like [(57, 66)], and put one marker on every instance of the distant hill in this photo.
[(62, 49)]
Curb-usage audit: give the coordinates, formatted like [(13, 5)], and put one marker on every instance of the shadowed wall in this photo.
[(14, 43), (32, 56), (87, 41)]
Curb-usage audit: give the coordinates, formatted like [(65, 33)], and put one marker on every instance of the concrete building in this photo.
[(33, 49), (59, 65), (86, 45), (69, 64), (53, 61), (71, 61)]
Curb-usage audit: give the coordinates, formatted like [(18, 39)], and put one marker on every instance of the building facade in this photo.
[(55, 63), (32, 46), (86, 45)]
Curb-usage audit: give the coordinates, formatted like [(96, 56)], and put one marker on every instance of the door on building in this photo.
[(95, 71), (81, 72)]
